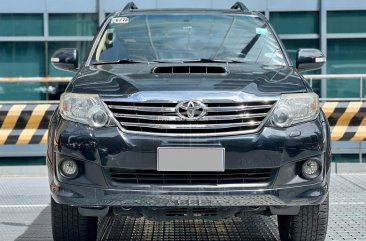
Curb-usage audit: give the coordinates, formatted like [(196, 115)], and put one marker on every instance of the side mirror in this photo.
[(65, 59), (309, 59)]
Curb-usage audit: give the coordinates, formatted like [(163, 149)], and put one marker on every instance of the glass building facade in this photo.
[(30, 31)]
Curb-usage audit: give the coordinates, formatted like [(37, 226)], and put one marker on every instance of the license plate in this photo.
[(191, 159)]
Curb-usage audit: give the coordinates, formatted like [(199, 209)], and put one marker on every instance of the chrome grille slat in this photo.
[(190, 126), (238, 108), (221, 117), (176, 118), (172, 109), (143, 108)]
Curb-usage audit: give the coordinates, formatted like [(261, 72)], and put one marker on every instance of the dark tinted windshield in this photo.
[(243, 38)]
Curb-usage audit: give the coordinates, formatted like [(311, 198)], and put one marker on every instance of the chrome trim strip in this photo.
[(187, 127), (172, 109), (237, 108), (143, 108), (232, 133), (177, 118)]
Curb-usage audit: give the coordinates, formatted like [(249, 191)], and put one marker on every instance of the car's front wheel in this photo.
[(69, 225), (310, 224)]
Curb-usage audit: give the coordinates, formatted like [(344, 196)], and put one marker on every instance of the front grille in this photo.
[(161, 118), (126, 176)]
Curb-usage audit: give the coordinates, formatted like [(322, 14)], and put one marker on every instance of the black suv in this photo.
[(185, 114)]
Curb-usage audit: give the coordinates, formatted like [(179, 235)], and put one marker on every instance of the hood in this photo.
[(127, 79)]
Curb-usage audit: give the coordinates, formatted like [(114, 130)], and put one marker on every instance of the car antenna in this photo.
[(130, 6), (240, 6)]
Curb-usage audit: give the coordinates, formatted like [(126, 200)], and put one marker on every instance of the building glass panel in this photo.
[(21, 24), (16, 91), (19, 59), (295, 22), (81, 24), (346, 22), (345, 56), (22, 59)]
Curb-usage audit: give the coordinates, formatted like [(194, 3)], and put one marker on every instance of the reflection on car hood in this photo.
[(127, 79)]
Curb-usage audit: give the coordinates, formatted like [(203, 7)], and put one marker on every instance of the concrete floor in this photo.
[(25, 215)]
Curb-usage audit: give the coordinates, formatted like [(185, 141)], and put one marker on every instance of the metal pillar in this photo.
[(100, 10), (323, 44)]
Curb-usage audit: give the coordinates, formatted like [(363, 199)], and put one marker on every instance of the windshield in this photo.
[(239, 38)]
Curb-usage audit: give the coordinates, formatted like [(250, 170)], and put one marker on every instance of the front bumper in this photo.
[(182, 196), (99, 149)]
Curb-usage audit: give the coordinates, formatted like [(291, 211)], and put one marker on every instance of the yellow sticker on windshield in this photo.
[(121, 20)]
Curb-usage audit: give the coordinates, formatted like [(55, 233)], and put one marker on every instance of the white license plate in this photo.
[(191, 159)]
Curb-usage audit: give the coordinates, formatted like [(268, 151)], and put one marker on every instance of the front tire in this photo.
[(69, 225), (310, 224)]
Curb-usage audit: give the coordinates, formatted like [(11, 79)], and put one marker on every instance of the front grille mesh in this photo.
[(161, 118), (126, 176)]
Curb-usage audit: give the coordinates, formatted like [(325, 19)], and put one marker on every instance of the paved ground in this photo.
[(25, 215)]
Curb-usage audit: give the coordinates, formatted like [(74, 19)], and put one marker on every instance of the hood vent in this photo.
[(189, 70)]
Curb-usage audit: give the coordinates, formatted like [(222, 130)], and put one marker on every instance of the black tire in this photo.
[(69, 225), (310, 224)]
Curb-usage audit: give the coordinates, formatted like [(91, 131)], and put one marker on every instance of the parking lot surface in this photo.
[(25, 215)]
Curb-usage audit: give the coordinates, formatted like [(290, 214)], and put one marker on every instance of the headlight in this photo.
[(295, 108), (83, 108)]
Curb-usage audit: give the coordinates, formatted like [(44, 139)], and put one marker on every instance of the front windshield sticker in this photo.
[(121, 20), (261, 31)]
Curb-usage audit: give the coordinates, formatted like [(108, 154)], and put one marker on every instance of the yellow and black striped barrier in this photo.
[(347, 120), (28, 123), (25, 123)]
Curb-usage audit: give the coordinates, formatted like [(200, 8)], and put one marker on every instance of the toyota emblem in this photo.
[(191, 110)]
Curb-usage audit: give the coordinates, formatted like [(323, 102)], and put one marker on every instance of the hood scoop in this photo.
[(189, 70)]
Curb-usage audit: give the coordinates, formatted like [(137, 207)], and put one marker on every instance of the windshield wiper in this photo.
[(120, 61), (133, 61), (203, 60)]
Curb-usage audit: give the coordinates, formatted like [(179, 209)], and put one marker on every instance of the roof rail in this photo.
[(130, 6), (240, 6)]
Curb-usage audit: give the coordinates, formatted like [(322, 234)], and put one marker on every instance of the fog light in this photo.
[(310, 169), (69, 168)]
